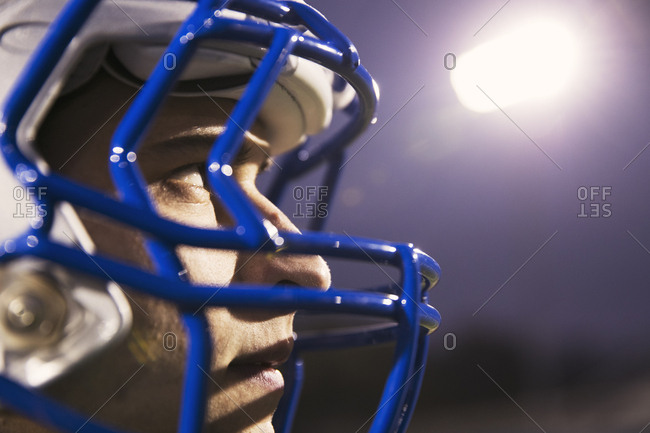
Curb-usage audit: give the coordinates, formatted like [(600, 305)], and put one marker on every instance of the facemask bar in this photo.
[(395, 408), (409, 309)]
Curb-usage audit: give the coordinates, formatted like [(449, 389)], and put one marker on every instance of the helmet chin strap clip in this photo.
[(32, 310), (53, 318)]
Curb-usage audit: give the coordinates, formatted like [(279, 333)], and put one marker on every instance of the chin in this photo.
[(242, 411)]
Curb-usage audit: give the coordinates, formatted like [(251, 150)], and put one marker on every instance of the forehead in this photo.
[(97, 108), (76, 135)]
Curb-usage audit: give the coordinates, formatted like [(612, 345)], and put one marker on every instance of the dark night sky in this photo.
[(475, 193)]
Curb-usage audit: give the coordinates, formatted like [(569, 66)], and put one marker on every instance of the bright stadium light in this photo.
[(533, 62)]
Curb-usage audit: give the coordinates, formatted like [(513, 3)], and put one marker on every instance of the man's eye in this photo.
[(189, 174), (183, 185)]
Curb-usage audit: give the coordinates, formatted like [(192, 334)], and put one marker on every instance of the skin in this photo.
[(170, 160)]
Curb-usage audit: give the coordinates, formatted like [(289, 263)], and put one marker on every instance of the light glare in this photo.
[(531, 63)]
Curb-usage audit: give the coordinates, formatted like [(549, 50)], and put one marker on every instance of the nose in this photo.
[(280, 268)]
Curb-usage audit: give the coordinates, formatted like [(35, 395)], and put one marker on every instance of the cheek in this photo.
[(115, 240), (204, 266), (208, 267), (201, 215)]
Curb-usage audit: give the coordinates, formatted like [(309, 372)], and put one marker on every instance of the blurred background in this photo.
[(510, 146)]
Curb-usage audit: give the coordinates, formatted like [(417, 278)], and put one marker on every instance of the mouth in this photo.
[(260, 368), (261, 376)]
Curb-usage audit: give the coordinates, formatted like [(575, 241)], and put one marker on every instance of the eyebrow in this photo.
[(180, 141)]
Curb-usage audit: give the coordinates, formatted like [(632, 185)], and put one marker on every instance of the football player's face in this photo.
[(137, 384)]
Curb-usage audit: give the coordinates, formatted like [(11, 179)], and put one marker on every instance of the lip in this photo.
[(259, 369), (263, 376)]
